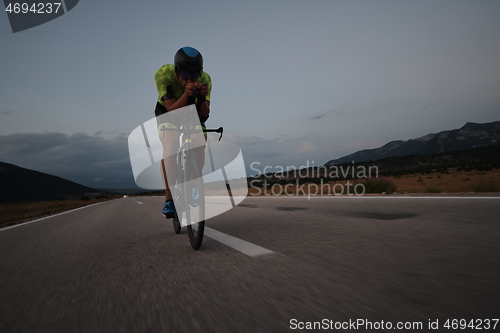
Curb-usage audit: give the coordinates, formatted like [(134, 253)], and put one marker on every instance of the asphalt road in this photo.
[(119, 267)]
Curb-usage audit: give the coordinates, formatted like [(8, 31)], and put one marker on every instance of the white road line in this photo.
[(244, 247), (363, 197), (140, 203), (47, 217), (429, 197)]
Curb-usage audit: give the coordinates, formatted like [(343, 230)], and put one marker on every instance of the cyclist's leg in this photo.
[(199, 142), (170, 143)]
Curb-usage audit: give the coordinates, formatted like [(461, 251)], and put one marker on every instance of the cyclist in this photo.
[(180, 84)]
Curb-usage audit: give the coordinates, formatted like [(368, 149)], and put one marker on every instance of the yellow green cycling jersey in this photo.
[(165, 76)]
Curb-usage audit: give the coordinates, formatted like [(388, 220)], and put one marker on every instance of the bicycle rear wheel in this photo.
[(195, 205)]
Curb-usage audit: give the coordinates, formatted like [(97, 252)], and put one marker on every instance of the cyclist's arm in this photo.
[(203, 104), (174, 103), (205, 109)]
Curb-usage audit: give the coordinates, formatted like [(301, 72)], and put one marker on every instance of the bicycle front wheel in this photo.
[(195, 204), (177, 199), (177, 223)]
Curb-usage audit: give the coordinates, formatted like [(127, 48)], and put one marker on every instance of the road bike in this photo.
[(189, 194)]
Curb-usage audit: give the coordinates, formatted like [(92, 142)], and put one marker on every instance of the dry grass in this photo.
[(329, 188), (452, 182), (13, 213)]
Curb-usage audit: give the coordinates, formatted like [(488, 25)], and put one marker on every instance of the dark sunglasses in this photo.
[(186, 75)]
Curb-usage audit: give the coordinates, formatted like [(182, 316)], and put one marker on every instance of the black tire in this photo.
[(176, 220), (195, 209), (177, 224)]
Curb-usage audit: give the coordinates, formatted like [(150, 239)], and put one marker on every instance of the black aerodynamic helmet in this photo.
[(188, 59)]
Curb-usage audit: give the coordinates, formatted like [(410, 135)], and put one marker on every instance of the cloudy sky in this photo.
[(293, 81)]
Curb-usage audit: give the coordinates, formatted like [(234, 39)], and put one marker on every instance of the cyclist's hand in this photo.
[(202, 89), (190, 89)]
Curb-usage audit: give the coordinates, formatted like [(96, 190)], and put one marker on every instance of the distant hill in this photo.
[(479, 159), (471, 135), (24, 185)]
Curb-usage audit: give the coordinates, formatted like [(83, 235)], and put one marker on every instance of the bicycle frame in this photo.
[(188, 172), (186, 147)]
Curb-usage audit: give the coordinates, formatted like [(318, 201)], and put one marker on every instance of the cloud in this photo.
[(343, 113), (102, 160), (319, 116), (307, 146), (322, 115), (280, 151), (32, 143), (6, 113), (338, 113), (80, 158)]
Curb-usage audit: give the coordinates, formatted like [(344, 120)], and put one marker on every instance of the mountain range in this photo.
[(471, 135), (24, 185)]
